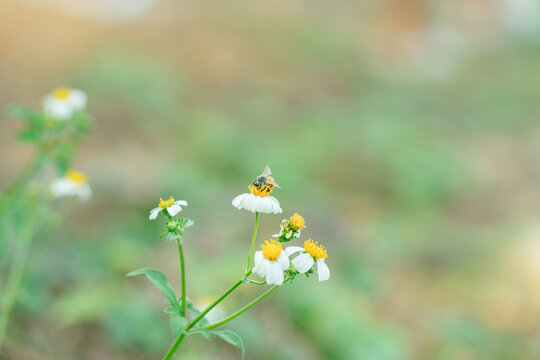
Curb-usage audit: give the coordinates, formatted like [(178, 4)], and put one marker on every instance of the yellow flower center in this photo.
[(166, 203), (315, 250), (263, 191), (297, 221), (76, 177), (271, 249), (61, 93)]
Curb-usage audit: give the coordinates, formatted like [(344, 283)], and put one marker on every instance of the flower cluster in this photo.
[(273, 261)]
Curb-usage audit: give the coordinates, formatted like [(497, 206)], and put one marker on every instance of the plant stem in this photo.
[(10, 194), (194, 322), (15, 276), (182, 269), (253, 240), (241, 311)]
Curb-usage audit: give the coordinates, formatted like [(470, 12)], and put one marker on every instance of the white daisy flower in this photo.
[(173, 207), (259, 199), (62, 103), (74, 183), (311, 253), (270, 262)]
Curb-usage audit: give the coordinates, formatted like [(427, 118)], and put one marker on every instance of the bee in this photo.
[(264, 182)]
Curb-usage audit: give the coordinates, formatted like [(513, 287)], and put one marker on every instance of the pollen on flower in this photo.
[(166, 203), (262, 192), (271, 249), (62, 93), (315, 250), (76, 176), (297, 221)]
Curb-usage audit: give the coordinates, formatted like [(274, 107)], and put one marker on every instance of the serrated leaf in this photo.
[(172, 236), (232, 338), (178, 323), (159, 280)]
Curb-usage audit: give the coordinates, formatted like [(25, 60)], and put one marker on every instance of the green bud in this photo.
[(173, 225)]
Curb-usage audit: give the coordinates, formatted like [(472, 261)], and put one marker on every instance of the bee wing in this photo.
[(267, 171)]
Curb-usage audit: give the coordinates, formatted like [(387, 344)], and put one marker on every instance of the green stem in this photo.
[(241, 311), (182, 269), (11, 193), (194, 322), (15, 276), (253, 240), (256, 282)]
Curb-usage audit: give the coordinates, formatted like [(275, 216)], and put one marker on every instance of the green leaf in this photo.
[(159, 280), (24, 112), (206, 333), (232, 338), (29, 135), (82, 121), (174, 310), (178, 323), (172, 236)]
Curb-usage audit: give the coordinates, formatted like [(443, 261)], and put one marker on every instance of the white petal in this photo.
[(242, 200), (237, 200), (276, 209), (323, 270), (257, 260), (84, 192), (57, 108), (154, 213), (63, 187), (303, 262), (283, 260), (174, 209), (261, 267), (181, 202), (274, 275), (77, 99), (293, 249)]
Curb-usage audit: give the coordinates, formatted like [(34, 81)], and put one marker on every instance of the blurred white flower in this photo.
[(311, 253), (173, 207), (74, 183), (62, 103), (214, 315), (270, 262)]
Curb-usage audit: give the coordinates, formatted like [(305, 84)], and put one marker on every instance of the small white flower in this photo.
[(270, 262), (74, 183), (62, 103), (259, 199), (311, 253), (254, 203), (173, 207)]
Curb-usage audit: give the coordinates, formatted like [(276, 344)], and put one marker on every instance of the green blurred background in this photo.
[(405, 131)]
